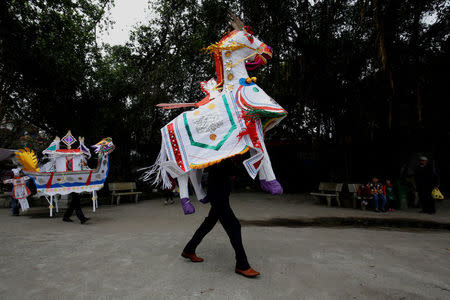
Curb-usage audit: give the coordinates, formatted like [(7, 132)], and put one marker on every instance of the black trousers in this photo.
[(427, 202), (219, 186), (75, 205), (169, 194)]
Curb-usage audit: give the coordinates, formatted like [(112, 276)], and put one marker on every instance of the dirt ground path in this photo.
[(133, 251)]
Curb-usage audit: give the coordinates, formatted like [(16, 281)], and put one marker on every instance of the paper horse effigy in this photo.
[(231, 120), (67, 170), (20, 191)]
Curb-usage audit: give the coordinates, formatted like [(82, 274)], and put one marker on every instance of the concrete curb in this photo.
[(359, 222)]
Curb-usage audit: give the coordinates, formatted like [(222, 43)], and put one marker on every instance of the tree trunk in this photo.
[(381, 36)]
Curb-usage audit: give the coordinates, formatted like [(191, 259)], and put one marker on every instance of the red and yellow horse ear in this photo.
[(249, 37), (248, 29)]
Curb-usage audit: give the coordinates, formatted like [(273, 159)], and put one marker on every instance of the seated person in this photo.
[(378, 191), (365, 195)]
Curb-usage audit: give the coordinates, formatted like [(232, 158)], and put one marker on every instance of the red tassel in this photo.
[(250, 130)]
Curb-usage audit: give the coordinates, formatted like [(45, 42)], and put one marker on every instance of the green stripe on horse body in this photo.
[(219, 145)]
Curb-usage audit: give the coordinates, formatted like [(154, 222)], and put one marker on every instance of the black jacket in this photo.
[(426, 178)]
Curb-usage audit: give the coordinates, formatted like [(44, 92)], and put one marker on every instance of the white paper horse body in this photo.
[(228, 123)]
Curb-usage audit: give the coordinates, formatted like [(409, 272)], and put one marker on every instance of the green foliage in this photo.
[(355, 71), (47, 52)]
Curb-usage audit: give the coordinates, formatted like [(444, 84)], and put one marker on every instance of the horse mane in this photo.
[(216, 50)]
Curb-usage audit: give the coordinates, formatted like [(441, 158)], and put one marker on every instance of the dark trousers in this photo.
[(219, 185), (427, 202), (75, 206), (15, 206), (169, 194), (376, 200)]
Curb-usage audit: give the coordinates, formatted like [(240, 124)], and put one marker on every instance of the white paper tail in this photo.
[(24, 204), (156, 172)]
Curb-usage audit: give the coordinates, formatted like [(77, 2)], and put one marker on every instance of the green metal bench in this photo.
[(329, 190), (119, 189)]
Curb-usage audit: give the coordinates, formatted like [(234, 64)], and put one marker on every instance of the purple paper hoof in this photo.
[(204, 200), (263, 184), (274, 187), (188, 208)]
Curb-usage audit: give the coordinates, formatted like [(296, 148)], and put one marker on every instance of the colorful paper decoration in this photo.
[(231, 122), (67, 170), (68, 139)]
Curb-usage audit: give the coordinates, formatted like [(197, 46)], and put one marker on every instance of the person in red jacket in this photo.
[(365, 195)]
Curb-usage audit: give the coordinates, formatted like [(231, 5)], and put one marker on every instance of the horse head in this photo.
[(245, 36), (237, 52), (104, 147), (234, 54)]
